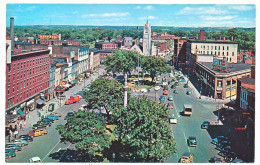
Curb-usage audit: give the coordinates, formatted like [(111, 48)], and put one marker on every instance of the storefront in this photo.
[(30, 105)]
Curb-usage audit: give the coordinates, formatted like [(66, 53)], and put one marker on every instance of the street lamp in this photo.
[(113, 157)]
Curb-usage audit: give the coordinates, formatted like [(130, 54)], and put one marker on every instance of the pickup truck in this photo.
[(72, 99)]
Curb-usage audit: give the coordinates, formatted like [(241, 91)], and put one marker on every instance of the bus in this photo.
[(187, 109)]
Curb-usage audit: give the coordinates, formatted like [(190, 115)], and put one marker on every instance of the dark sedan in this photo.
[(26, 137)]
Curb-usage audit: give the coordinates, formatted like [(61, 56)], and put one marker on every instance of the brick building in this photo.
[(109, 46), (162, 36), (104, 54), (179, 50), (27, 75), (94, 59), (127, 41)]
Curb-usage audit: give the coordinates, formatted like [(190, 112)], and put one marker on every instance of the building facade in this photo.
[(127, 41), (104, 55), (51, 93), (109, 46), (27, 75), (83, 55), (147, 40), (226, 50), (94, 59)]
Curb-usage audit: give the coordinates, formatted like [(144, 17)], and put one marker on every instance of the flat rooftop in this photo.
[(233, 67)]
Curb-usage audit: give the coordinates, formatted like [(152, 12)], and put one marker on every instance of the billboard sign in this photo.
[(219, 63)]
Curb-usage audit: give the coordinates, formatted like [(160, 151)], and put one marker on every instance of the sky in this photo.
[(178, 15)]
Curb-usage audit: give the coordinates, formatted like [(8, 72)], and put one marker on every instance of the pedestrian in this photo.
[(9, 138), (21, 125), (15, 133), (11, 133)]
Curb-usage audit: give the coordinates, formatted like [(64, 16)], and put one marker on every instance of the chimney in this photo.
[(197, 37), (202, 34), (12, 32), (224, 38)]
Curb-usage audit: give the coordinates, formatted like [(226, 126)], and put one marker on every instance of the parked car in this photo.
[(230, 157), (192, 141), (162, 99), (157, 79), (37, 132), (144, 90), (173, 80), (51, 107), (165, 88), (236, 160), (20, 142), (228, 111), (173, 86), (216, 160), (69, 114), (224, 152), (185, 86), (53, 117), (157, 88), (13, 147), (176, 83), (47, 119), (169, 82), (165, 92), (223, 144), (26, 137), (205, 125), (56, 114), (35, 160), (173, 119), (181, 79), (9, 153), (40, 125), (83, 107), (169, 105), (170, 98), (44, 123), (187, 157), (188, 92), (219, 139), (175, 91)]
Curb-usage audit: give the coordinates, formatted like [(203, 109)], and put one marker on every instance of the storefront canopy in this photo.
[(39, 101), (20, 112)]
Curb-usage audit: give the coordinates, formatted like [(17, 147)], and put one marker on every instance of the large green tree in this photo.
[(143, 131), (88, 132), (154, 65), (105, 93), (122, 61)]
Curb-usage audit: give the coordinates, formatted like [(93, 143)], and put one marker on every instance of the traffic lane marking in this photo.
[(50, 151)]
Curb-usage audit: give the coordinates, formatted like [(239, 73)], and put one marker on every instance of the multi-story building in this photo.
[(94, 59), (83, 55), (162, 36), (51, 93), (227, 50), (127, 41), (109, 46), (104, 55), (147, 40), (27, 75), (179, 50)]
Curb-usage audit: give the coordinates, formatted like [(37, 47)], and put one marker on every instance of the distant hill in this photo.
[(133, 27)]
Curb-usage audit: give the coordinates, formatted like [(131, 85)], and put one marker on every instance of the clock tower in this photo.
[(147, 49)]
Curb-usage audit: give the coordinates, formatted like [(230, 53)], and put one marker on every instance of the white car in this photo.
[(144, 90), (35, 159), (173, 120), (82, 107), (156, 88)]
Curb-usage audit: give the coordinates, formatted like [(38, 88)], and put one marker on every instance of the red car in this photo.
[(165, 92), (68, 102)]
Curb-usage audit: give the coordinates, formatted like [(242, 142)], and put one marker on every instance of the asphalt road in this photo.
[(190, 126), (48, 147)]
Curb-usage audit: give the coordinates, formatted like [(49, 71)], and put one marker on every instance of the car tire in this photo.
[(22, 145)]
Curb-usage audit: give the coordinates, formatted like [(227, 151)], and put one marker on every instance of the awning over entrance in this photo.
[(39, 101), (20, 112)]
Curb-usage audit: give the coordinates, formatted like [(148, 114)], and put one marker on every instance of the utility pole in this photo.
[(125, 90)]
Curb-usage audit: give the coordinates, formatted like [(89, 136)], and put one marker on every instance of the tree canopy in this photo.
[(153, 65), (105, 93), (87, 131), (122, 61), (143, 132)]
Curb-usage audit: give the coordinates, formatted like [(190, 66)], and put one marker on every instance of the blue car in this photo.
[(9, 153), (219, 139), (53, 117), (13, 147), (181, 80), (162, 99)]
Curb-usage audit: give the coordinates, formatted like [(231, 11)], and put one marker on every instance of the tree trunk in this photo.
[(125, 90)]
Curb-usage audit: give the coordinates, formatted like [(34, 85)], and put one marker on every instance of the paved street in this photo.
[(48, 147), (190, 126)]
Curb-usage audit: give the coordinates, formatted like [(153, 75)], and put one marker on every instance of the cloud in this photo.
[(106, 15), (217, 18), (149, 17), (201, 10), (241, 7), (30, 8), (138, 7), (75, 12), (148, 7)]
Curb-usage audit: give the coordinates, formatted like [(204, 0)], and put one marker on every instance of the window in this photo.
[(211, 47), (208, 47), (230, 59), (227, 53), (207, 52), (196, 47), (204, 47), (223, 54), (215, 47), (233, 53), (227, 48), (223, 47), (218, 47), (203, 52), (219, 53)]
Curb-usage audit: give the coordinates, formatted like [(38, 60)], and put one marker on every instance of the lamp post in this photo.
[(113, 157)]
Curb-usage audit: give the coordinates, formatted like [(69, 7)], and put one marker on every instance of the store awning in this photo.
[(73, 82), (43, 99), (20, 112), (39, 101)]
